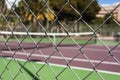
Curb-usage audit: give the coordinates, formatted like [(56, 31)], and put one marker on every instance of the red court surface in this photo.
[(88, 56)]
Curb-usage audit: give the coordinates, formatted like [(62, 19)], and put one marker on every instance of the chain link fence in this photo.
[(29, 49)]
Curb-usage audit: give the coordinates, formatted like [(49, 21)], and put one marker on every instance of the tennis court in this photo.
[(93, 54), (68, 59)]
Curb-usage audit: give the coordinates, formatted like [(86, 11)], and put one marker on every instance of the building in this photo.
[(115, 8)]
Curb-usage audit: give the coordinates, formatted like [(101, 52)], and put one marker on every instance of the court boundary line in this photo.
[(82, 60), (58, 57)]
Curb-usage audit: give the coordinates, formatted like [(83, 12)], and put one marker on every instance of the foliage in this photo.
[(88, 14), (33, 10), (110, 18), (39, 8), (3, 10), (3, 6), (97, 20)]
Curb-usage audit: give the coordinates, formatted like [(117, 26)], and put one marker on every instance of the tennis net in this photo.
[(28, 40)]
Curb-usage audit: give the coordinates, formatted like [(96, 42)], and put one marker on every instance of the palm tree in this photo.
[(33, 11), (3, 6), (3, 13)]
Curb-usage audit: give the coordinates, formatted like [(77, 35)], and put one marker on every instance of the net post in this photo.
[(54, 40)]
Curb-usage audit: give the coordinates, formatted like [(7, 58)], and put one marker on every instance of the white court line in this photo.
[(74, 67), (58, 57), (88, 49)]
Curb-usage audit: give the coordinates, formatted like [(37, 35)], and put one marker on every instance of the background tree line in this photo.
[(46, 11)]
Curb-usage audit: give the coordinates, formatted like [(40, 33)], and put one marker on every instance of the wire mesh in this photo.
[(59, 61)]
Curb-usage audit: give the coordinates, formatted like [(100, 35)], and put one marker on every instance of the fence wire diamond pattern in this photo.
[(42, 41)]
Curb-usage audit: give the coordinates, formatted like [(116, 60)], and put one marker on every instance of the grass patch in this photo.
[(16, 70)]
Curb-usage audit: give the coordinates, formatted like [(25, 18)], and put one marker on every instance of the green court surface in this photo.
[(64, 41), (61, 40), (110, 43), (16, 71)]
